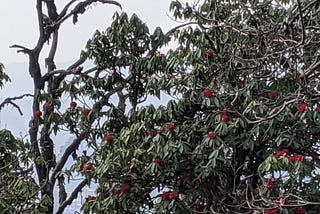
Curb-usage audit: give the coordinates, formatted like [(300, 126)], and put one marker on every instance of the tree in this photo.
[(240, 135)]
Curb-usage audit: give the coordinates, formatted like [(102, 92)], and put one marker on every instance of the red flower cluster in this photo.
[(273, 211), (73, 104), (207, 93), (273, 95), (212, 135), (170, 195), (209, 53), (157, 160), (117, 192), (109, 138), (150, 132), (200, 207), (225, 117), (282, 153), (87, 167), (47, 106), (132, 168), (87, 112), (170, 127), (296, 158), (300, 210), (318, 109), (124, 189), (272, 183), (170, 76), (91, 198), (38, 114), (292, 158), (303, 107)]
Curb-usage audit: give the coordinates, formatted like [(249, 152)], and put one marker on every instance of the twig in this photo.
[(10, 101), (302, 23), (23, 49)]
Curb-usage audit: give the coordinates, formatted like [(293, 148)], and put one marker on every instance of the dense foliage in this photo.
[(240, 133)]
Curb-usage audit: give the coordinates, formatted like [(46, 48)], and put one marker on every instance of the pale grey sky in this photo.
[(18, 25)]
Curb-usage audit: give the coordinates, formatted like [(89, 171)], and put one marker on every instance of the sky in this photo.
[(18, 25)]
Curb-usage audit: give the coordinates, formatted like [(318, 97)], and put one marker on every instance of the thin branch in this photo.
[(23, 49), (72, 147), (73, 196), (49, 60), (65, 9), (10, 101), (80, 8), (260, 120), (302, 23), (41, 26)]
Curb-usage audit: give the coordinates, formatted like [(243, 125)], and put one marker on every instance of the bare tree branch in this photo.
[(80, 8), (73, 195), (23, 49), (10, 101)]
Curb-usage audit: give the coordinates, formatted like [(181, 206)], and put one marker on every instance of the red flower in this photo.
[(240, 84), (271, 186), (132, 168), (47, 106), (269, 180), (303, 107), (165, 196), (91, 198), (300, 210), (87, 167), (87, 112), (282, 153), (200, 207), (300, 158), (170, 127), (318, 109), (212, 135), (150, 132), (292, 158), (209, 53), (273, 211), (225, 118), (125, 188), (117, 193), (279, 180), (174, 195), (157, 160), (109, 138), (170, 77), (73, 104), (207, 92), (38, 114), (273, 95)]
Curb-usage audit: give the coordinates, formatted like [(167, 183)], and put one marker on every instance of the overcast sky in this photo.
[(18, 25)]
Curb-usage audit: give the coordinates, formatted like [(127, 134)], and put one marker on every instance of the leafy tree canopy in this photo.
[(240, 134)]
